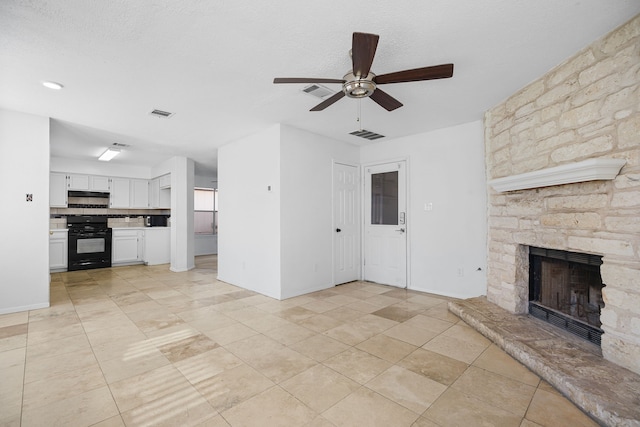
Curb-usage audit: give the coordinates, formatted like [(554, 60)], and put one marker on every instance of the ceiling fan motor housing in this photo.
[(358, 87)]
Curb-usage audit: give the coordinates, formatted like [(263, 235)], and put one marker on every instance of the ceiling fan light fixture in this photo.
[(355, 87)]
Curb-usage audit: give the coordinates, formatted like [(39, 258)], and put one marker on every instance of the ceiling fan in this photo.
[(360, 82)]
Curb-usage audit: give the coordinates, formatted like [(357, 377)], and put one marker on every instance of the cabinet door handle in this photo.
[(338, 230)]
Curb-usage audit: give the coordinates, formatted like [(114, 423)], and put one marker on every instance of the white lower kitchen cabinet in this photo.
[(127, 246), (58, 250), (133, 245), (157, 245)]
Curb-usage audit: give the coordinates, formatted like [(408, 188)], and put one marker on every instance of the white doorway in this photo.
[(385, 224), (346, 226)]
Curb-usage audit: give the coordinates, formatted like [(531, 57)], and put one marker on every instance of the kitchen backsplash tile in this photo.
[(137, 221), (94, 211), (55, 223), (136, 216)]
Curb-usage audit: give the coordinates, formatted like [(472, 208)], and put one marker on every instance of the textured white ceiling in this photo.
[(213, 63)]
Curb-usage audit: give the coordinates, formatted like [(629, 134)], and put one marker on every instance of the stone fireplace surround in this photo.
[(586, 108)]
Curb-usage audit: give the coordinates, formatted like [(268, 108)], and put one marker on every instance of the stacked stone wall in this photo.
[(587, 107)]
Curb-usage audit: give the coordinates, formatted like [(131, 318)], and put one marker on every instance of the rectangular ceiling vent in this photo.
[(366, 134), (318, 91), (161, 114)]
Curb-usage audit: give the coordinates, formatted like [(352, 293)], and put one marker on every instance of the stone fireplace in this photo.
[(586, 108), (565, 289)]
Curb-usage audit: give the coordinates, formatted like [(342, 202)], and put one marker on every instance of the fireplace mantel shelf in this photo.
[(587, 170)]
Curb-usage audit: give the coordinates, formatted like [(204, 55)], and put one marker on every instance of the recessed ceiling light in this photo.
[(52, 85)]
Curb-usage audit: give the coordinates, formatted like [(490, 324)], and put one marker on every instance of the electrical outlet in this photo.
[(428, 206), (460, 272)]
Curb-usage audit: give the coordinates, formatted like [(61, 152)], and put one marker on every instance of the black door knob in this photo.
[(338, 230)]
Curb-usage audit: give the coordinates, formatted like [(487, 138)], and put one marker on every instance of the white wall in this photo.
[(182, 231), (96, 167), (249, 230), (447, 245), (203, 181), (306, 208), (205, 244), (24, 226), (162, 168)]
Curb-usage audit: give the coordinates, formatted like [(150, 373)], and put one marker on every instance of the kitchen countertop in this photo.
[(135, 228)]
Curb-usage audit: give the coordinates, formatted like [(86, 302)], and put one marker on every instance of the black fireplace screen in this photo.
[(565, 288)]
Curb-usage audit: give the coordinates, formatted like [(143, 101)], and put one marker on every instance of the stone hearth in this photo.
[(607, 392)]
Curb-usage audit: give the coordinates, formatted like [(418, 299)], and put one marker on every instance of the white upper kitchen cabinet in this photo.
[(165, 181), (87, 182), (99, 183), (154, 193), (159, 197), (58, 190), (139, 193), (78, 182), (120, 191)]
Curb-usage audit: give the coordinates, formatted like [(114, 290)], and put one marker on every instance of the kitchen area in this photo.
[(101, 221)]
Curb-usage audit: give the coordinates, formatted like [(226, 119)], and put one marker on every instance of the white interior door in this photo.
[(346, 233), (385, 224)]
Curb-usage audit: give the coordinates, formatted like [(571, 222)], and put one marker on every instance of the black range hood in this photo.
[(94, 194)]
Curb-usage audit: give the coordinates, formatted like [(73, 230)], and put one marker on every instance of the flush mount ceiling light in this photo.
[(52, 85), (109, 154)]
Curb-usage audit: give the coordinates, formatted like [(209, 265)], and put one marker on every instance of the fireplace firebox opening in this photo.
[(565, 289)]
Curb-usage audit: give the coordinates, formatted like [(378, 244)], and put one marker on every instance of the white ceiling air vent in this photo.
[(366, 134), (161, 114), (318, 91)]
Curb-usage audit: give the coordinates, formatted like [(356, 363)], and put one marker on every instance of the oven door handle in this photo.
[(91, 235)]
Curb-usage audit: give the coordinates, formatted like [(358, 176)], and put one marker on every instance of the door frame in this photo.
[(408, 219), (333, 223)]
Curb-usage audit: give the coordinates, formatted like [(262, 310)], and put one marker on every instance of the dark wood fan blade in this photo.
[(385, 100), (305, 80), (324, 104), (363, 49), (443, 71)]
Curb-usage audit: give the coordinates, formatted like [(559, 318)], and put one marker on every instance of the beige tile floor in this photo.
[(141, 346)]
